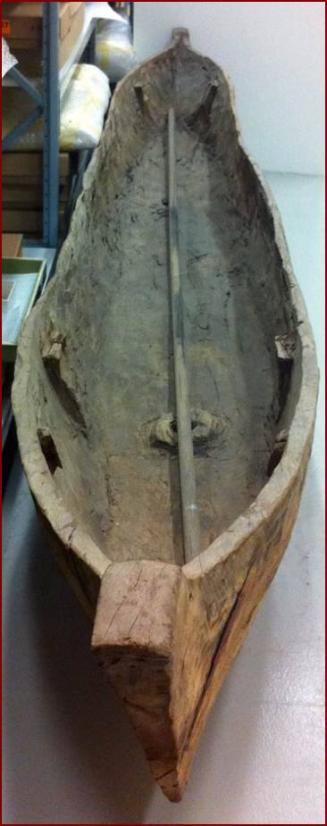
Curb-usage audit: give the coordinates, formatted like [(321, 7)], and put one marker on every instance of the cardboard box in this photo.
[(27, 221), (21, 197), (25, 40), (25, 22), (24, 197), (11, 245), (30, 164)]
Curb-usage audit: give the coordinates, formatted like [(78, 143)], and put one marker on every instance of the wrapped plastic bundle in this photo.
[(114, 51), (84, 107), (81, 117)]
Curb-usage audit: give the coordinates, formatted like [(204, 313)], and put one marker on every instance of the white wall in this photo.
[(273, 53)]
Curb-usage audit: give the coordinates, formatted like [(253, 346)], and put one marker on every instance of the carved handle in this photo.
[(180, 37)]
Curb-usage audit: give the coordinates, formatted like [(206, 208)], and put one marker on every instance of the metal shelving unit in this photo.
[(47, 106), (46, 96), (47, 99)]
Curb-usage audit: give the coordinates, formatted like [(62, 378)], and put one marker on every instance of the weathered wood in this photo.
[(94, 372), (191, 526)]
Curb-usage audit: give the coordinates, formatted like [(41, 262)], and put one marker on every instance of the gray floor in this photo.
[(69, 753)]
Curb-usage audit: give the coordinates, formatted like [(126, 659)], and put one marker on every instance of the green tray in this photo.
[(21, 280)]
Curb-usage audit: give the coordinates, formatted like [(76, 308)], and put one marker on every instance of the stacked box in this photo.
[(24, 32), (22, 195)]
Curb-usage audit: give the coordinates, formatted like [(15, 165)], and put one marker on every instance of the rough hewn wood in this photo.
[(135, 646), (94, 403)]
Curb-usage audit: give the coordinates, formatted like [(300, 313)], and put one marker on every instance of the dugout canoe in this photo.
[(164, 395)]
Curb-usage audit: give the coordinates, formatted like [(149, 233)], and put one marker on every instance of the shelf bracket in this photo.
[(21, 128), (25, 84)]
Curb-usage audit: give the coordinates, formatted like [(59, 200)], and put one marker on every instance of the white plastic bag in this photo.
[(84, 107), (114, 53)]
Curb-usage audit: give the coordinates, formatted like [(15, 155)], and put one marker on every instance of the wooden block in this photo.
[(11, 245)]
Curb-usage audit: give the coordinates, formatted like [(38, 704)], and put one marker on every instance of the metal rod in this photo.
[(51, 122), (191, 525)]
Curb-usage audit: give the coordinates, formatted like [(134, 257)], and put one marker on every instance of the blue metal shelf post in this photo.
[(48, 107), (51, 120)]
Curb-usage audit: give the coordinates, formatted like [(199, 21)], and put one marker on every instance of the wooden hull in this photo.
[(85, 396)]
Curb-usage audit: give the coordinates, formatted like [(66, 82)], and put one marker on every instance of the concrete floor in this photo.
[(69, 753)]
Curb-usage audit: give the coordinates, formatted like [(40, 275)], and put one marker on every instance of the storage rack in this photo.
[(47, 105), (53, 87)]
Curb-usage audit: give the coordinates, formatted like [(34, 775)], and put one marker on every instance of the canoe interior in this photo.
[(102, 336)]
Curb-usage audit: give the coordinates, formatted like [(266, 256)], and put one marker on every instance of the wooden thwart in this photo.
[(191, 526)]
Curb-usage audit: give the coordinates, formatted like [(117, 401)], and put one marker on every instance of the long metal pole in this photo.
[(51, 115), (191, 526)]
